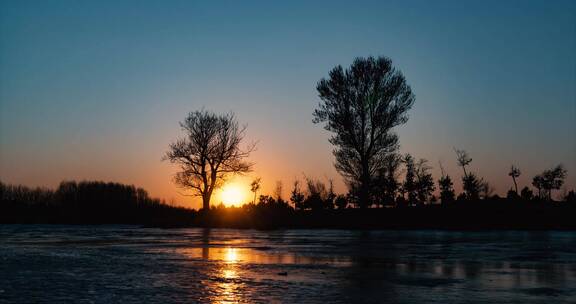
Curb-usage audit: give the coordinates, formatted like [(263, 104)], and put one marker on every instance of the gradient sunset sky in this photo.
[(95, 89)]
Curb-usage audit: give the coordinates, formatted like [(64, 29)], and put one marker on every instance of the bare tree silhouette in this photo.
[(209, 153), (463, 159), (361, 105), (471, 183), (514, 173)]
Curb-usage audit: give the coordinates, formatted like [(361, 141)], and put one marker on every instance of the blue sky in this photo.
[(95, 89)]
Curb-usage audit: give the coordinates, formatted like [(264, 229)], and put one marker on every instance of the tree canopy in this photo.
[(360, 106), (209, 153)]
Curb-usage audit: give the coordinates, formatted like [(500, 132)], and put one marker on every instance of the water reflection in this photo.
[(230, 266), (232, 255), (372, 265), (227, 285), (224, 284)]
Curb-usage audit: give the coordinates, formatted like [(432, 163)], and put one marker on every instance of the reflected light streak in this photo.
[(229, 287)]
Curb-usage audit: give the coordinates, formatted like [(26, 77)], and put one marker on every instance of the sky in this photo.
[(94, 90)]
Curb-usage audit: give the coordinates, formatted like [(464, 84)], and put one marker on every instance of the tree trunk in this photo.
[(206, 202), (363, 196), (515, 185), (365, 186)]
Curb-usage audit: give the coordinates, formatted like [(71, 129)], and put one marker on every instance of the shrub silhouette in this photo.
[(446, 189)]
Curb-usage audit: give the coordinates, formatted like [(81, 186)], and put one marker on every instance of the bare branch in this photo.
[(209, 153)]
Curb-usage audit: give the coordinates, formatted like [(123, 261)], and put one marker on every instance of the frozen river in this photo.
[(126, 264)]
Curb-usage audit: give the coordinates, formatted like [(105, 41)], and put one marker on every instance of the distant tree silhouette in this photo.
[(278, 190), (387, 184), (401, 201), (341, 202), (461, 197), (209, 153), (526, 194), (254, 187), (268, 202), (409, 186), (424, 181), (570, 197), (446, 189), (26, 195), (463, 159), (514, 173), (297, 197), (361, 105), (85, 202), (486, 190), (512, 195), (538, 183), (330, 196), (472, 186), (318, 195), (549, 180)]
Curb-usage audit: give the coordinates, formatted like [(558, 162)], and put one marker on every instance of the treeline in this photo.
[(407, 204), (86, 202), (407, 182)]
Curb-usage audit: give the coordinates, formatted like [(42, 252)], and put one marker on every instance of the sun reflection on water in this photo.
[(228, 286), (232, 267), (226, 282), (231, 255)]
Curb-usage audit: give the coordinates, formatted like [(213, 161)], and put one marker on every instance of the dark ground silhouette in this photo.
[(112, 203)]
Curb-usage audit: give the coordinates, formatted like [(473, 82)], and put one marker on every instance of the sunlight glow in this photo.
[(231, 255), (232, 195)]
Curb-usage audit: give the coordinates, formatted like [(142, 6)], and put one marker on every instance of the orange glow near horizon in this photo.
[(233, 194)]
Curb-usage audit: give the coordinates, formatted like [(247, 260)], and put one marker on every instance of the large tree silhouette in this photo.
[(209, 153), (360, 106)]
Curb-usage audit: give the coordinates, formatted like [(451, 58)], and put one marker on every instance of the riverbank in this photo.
[(469, 216), (481, 215)]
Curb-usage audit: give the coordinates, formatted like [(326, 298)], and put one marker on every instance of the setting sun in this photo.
[(232, 195)]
